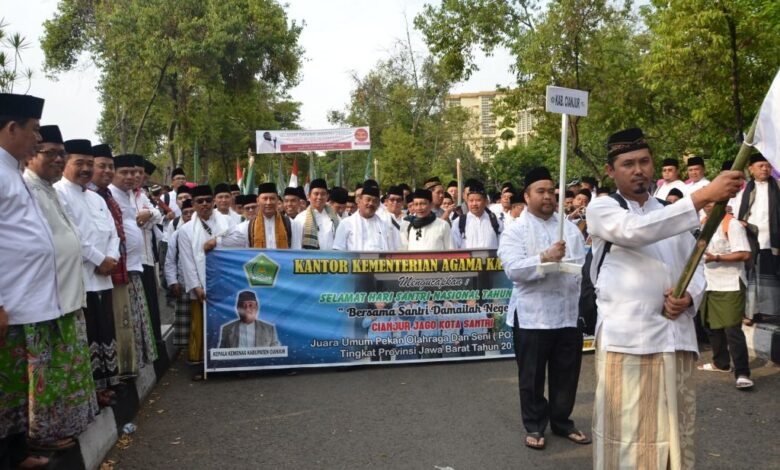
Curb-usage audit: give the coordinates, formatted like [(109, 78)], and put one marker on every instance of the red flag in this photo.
[(239, 175), (294, 174)]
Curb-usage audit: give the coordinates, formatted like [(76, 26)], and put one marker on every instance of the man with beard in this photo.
[(248, 331), (123, 191), (314, 228), (422, 230), (645, 405), (206, 225), (99, 252), (80, 408), (271, 230), (543, 312), (365, 231)]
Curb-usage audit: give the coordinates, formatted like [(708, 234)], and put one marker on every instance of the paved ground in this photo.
[(438, 416)]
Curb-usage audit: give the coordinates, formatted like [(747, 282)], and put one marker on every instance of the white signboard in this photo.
[(323, 140), (567, 101)]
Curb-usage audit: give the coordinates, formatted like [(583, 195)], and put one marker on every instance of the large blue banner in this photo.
[(270, 309)]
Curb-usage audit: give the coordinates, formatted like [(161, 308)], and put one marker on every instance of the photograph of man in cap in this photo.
[(670, 172), (645, 357), (248, 331)]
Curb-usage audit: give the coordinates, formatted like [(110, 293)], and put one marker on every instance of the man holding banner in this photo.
[(271, 230), (644, 409)]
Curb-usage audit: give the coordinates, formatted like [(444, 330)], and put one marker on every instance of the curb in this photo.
[(101, 435)]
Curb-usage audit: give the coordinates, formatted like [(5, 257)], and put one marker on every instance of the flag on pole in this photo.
[(767, 137), (294, 174), (249, 176), (239, 176), (367, 173)]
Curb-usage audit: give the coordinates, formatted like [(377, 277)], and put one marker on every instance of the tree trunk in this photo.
[(739, 119), (149, 104)]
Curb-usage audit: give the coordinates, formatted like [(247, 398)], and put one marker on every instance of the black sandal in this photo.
[(577, 437)]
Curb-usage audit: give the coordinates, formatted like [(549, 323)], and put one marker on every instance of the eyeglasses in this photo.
[(204, 200), (52, 153)]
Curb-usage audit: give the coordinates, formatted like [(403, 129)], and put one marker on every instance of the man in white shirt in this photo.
[(394, 203), (223, 201), (364, 230), (174, 280), (423, 231), (270, 230), (503, 207), (724, 301), (337, 200), (99, 256), (292, 201), (437, 194), (645, 338), (27, 252), (78, 405), (315, 227), (543, 312), (477, 228), (178, 178), (670, 172), (696, 174), (123, 193), (759, 207), (206, 225)]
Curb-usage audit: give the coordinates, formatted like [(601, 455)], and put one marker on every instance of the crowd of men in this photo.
[(86, 232)]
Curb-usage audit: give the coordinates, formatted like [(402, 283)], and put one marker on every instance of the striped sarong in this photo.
[(644, 411), (181, 320)]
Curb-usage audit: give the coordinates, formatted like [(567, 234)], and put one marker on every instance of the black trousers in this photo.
[(558, 353), (150, 290), (728, 344)]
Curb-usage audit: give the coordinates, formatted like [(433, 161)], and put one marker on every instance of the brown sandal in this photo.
[(538, 442)]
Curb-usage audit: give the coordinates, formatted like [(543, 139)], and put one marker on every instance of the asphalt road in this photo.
[(433, 416)]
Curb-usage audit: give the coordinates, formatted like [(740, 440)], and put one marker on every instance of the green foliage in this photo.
[(11, 72), (174, 74), (691, 73), (413, 135)]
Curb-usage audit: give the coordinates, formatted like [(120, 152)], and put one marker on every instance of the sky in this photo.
[(339, 37)]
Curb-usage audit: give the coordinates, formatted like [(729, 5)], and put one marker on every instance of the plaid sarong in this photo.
[(181, 320)]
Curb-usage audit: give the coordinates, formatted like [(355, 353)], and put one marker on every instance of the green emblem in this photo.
[(261, 271)]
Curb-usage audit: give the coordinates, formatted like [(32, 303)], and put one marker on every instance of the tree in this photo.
[(11, 72), (176, 74), (413, 134), (708, 68), (571, 43)]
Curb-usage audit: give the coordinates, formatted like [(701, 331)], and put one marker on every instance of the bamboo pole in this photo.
[(713, 220)]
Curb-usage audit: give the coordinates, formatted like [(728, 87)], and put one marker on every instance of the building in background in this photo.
[(485, 137)]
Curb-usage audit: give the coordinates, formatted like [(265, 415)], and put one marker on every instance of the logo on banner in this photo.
[(361, 135), (261, 271)]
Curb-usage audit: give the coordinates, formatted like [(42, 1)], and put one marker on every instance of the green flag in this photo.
[(369, 162), (249, 177)]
